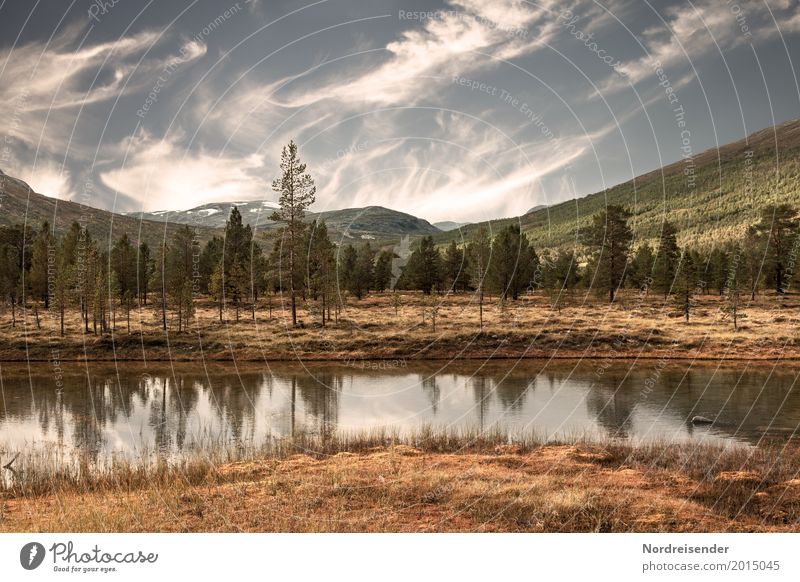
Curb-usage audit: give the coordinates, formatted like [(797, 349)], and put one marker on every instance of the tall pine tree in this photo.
[(296, 192)]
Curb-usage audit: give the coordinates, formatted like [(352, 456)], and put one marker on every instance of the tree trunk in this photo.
[(480, 305), (61, 310)]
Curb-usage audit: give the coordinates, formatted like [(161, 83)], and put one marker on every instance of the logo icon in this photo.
[(31, 555)]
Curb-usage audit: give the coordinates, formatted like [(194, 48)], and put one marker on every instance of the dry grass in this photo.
[(370, 329), (431, 483)]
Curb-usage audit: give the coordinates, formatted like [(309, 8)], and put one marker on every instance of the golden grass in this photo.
[(370, 329), (434, 483)]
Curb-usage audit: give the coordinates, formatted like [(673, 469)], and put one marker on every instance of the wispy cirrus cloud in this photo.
[(54, 88), (370, 98)]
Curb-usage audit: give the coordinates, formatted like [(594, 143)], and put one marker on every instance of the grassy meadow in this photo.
[(408, 325)]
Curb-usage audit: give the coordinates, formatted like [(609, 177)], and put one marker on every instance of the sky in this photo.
[(459, 110)]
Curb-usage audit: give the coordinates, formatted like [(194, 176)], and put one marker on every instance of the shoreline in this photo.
[(350, 362)]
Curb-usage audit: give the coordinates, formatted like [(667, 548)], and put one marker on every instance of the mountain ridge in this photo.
[(22, 205), (358, 223)]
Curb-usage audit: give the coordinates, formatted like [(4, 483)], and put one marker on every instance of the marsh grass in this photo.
[(45, 468), (428, 480)]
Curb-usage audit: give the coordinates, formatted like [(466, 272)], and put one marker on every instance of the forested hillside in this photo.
[(732, 185)]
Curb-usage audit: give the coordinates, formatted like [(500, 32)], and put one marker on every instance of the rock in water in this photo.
[(701, 420)]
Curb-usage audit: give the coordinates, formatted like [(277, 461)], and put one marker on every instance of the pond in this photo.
[(126, 410)]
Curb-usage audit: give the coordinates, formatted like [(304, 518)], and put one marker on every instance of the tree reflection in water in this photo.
[(168, 410)]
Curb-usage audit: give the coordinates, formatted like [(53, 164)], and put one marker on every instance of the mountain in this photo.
[(731, 185), (373, 222), (537, 207), (369, 223), (21, 205), (449, 225), (214, 214)]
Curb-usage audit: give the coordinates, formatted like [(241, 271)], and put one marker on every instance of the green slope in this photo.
[(373, 222), (732, 184)]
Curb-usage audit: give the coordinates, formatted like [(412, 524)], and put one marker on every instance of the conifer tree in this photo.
[(179, 281), (667, 256), (347, 267), (123, 268), (514, 262), (778, 229), (733, 284), (10, 277), (296, 192), (455, 268), (383, 270), (159, 282), (321, 268), (144, 270), (364, 272), (44, 251), (610, 237), (210, 258), (685, 282), (216, 288), (424, 266), (640, 273), (237, 260), (754, 254)]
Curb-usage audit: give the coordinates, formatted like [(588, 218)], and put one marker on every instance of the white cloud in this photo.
[(695, 30), (162, 175), (440, 47), (49, 83), (49, 179)]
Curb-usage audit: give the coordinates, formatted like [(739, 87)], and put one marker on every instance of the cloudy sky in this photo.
[(460, 110)]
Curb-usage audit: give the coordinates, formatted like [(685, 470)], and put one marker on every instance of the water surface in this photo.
[(104, 411)]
